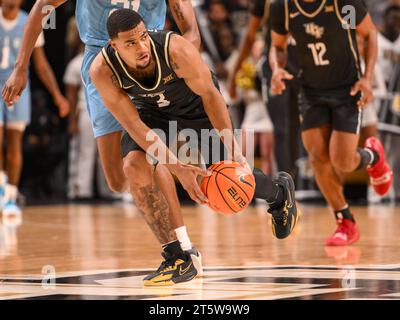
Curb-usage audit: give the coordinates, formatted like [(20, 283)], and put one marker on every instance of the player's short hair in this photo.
[(390, 9), (122, 20)]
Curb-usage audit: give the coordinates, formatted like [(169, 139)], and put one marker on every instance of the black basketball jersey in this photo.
[(169, 94), (325, 38)]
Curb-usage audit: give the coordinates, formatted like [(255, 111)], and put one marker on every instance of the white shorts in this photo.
[(256, 117)]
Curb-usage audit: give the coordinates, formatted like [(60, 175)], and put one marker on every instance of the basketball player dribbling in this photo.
[(332, 96), (148, 80), (91, 19)]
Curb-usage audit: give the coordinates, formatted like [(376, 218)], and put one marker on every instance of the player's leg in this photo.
[(153, 190), (109, 148), (347, 123), (277, 192), (17, 119), (266, 150), (106, 129), (14, 134), (3, 175), (316, 142)]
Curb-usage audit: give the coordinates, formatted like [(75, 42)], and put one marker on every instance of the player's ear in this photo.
[(113, 44)]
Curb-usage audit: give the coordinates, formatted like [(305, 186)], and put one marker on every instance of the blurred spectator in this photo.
[(377, 8), (256, 119), (282, 109)]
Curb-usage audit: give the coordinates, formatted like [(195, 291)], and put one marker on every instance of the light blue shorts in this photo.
[(21, 111), (103, 122)]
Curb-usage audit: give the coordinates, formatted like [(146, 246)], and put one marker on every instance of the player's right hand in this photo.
[(15, 84), (187, 176), (278, 80)]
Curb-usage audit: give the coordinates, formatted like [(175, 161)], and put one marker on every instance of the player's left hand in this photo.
[(63, 105), (363, 86)]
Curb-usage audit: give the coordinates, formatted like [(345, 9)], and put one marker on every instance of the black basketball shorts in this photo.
[(196, 134), (330, 107)]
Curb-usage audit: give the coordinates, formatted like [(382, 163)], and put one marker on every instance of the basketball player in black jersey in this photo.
[(148, 80), (334, 91)]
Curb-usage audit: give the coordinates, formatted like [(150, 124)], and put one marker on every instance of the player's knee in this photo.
[(317, 156), (116, 185), (342, 163), (136, 167)]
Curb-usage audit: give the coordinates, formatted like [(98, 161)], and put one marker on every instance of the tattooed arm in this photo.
[(185, 18)]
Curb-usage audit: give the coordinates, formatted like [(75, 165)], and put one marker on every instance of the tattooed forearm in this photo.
[(154, 207), (176, 8)]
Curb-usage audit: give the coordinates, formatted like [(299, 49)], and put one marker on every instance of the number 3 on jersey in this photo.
[(162, 102), (318, 51)]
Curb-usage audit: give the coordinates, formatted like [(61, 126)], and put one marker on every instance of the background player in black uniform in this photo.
[(333, 94), (168, 81), (282, 109)]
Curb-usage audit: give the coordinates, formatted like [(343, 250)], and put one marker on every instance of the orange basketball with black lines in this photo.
[(230, 187)]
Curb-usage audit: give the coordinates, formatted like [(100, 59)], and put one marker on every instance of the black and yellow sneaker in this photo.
[(174, 269), (284, 214)]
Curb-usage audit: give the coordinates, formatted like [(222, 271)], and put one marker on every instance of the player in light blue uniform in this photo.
[(95, 13), (10, 39), (92, 16), (15, 119)]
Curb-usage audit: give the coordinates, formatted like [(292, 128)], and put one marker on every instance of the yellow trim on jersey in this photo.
[(166, 53), (351, 42), (310, 15), (105, 55), (287, 15), (133, 79)]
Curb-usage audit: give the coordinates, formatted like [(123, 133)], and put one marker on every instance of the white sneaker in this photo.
[(11, 208), (12, 214), (196, 258)]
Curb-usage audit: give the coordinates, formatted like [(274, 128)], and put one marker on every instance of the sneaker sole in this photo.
[(345, 244), (149, 283)]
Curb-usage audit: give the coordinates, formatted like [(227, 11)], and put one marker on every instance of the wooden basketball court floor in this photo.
[(104, 251)]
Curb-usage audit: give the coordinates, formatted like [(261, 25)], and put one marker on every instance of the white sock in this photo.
[(183, 238), (11, 193)]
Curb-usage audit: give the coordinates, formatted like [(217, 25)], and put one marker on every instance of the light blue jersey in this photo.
[(92, 18), (92, 15), (10, 42)]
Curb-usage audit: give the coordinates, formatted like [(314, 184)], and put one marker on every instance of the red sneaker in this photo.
[(381, 175), (345, 234)]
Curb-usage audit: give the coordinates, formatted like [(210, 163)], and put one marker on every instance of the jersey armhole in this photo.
[(166, 48), (109, 63)]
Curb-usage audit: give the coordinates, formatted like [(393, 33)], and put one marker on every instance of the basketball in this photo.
[(230, 187)]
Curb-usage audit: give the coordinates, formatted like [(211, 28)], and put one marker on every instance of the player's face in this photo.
[(11, 4), (134, 47)]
